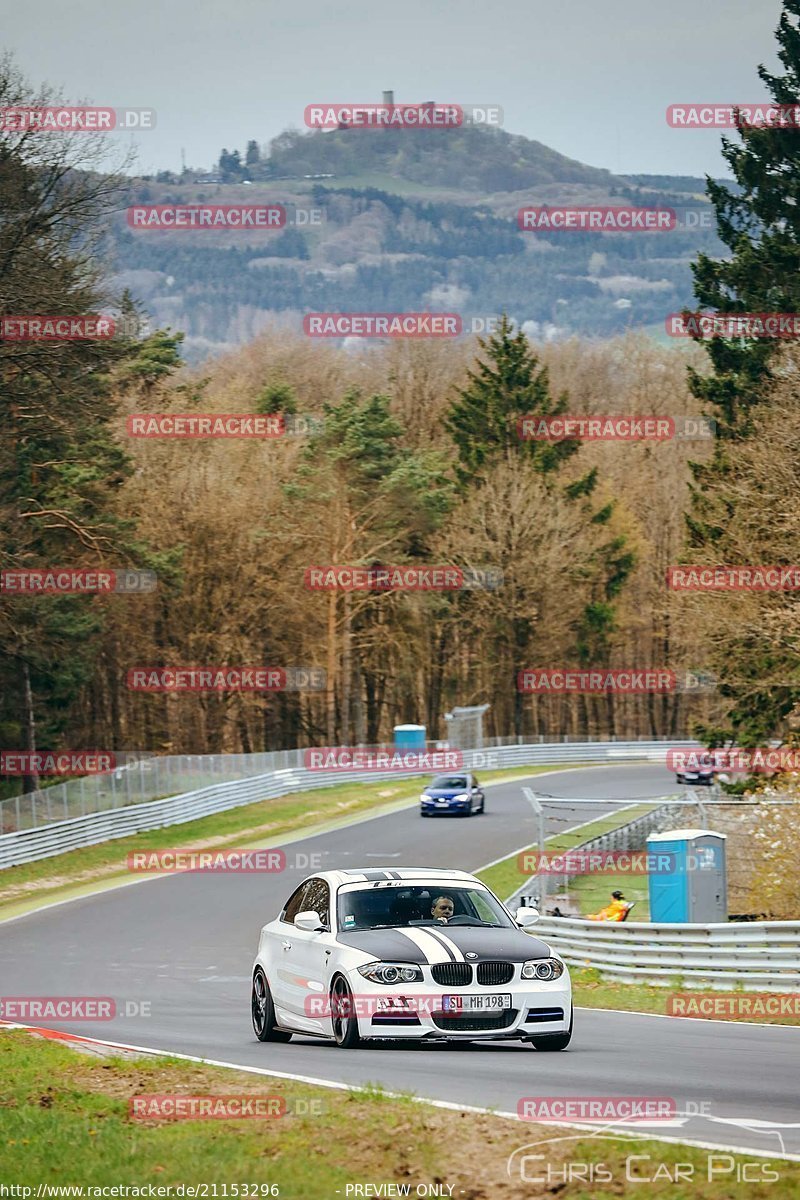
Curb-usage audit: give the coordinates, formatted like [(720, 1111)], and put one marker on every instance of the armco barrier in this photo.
[(756, 955), (45, 839), (630, 836)]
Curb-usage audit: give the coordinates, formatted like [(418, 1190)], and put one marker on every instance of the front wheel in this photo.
[(263, 1011), (343, 1016), (554, 1041)]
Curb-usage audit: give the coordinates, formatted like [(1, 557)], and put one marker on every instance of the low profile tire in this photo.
[(343, 1018), (482, 808), (554, 1041), (679, 779), (263, 1011)]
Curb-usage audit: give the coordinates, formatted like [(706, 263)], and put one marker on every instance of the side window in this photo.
[(483, 909), (475, 783), (296, 903), (317, 898)]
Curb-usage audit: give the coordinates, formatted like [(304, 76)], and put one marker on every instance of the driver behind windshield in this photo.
[(442, 909)]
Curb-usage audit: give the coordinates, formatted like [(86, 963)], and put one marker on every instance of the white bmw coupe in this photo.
[(407, 953)]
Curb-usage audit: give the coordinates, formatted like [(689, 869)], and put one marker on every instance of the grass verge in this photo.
[(66, 1122), (593, 892), (592, 991), (505, 877)]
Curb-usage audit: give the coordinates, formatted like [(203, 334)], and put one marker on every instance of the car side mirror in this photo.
[(527, 916), (309, 920)]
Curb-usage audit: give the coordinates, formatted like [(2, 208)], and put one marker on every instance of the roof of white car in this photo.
[(379, 874)]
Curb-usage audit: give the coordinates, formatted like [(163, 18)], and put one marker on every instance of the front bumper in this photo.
[(543, 1007), (450, 806)]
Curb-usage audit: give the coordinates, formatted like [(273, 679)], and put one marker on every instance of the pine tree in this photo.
[(505, 386), (759, 221)]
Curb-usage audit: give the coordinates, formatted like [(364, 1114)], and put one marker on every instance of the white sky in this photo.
[(590, 78)]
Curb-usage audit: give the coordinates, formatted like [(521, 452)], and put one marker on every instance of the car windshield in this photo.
[(387, 907), (446, 782)]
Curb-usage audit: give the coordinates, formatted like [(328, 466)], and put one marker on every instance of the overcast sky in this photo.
[(591, 78)]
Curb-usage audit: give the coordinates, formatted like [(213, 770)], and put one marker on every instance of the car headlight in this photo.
[(382, 972), (424, 797), (542, 968), (462, 796)]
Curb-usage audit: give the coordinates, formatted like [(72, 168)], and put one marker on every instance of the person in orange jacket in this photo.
[(615, 911)]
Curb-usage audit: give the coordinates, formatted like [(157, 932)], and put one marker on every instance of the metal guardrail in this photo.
[(761, 955), (631, 836), (151, 778), (63, 832)]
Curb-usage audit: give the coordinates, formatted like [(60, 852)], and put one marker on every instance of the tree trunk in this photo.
[(30, 783), (330, 681)]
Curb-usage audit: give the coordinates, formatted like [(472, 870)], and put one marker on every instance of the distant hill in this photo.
[(411, 221), (469, 158)]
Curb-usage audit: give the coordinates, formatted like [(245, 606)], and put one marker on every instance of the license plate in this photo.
[(468, 1004)]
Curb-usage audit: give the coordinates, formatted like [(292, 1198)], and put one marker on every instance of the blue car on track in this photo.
[(455, 795)]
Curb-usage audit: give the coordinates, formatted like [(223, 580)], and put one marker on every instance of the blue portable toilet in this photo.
[(409, 737), (690, 885)]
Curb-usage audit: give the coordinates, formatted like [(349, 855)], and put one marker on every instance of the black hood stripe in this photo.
[(449, 946), (488, 944)]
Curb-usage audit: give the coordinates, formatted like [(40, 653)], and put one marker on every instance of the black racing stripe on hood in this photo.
[(392, 945), (493, 943), (387, 944), (435, 933)]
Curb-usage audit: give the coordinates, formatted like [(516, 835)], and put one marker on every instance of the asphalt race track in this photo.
[(185, 944)]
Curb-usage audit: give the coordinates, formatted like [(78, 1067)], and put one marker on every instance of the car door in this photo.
[(304, 961), (475, 794), (280, 944)]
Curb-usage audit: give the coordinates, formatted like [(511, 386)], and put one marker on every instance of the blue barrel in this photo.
[(409, 737)]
